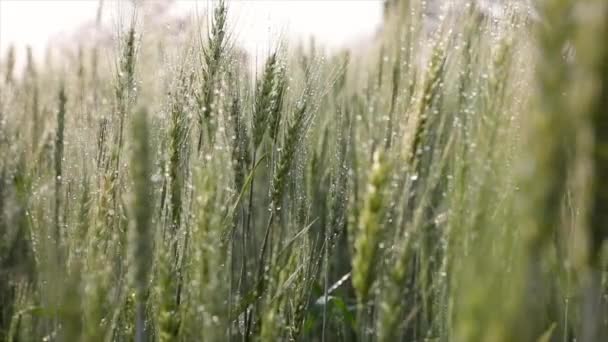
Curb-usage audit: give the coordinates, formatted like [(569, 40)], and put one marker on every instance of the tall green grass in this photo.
[(446, 183)]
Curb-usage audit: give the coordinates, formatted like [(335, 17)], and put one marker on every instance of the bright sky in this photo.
[(256, 23)]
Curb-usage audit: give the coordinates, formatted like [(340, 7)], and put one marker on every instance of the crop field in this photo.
[(445, 181)]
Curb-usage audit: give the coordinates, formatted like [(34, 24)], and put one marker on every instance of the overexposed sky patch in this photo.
[(255, 23)]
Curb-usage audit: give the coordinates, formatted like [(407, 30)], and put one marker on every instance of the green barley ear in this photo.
[(59, 142), (263, 104), (168, 314), (213, 54), (179, 137), (124, 92), (209, 286), (431, 86), (127, 63), (264, 100), (396, 75), (274, 118), (368, 232), (295, 131), (141, 234), (294, 134), (239, 139), (125, 80)]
